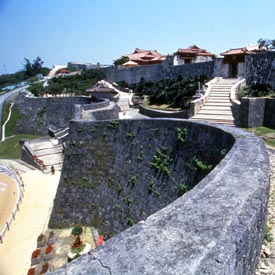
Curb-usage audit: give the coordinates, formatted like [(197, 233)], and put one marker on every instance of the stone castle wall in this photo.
[(158, 72), (215, 228), (124, 171), (260, 68), (36, 115)]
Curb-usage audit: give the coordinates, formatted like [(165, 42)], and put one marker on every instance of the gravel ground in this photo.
[(266, 263)]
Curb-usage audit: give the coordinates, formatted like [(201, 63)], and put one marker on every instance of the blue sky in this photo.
[(102, 30)]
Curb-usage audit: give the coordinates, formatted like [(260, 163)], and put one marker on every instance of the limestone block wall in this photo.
[(37, 114), (269, 117), (254, 112), (158, 72), (215, 228), (260, 67), (116, 173)]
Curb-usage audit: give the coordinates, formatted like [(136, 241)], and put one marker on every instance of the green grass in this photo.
[(10, 126), (261, 131), (10, 148)]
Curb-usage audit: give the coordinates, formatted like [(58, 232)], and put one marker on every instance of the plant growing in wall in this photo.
[(133, 181), (161, 161), (113, 124), (130, 135), (140, 153), (151, 186), (42, 112), (181, 135), (182, 189), (130, 221), (153, 131), (127, 201), (200, 165)]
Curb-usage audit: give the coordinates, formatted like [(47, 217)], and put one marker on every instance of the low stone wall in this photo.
[(164, 114), (252, 112), (269, 117), (216, 228), (255, 112)]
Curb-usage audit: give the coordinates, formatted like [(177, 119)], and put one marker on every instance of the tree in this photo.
[(34, 68), (121, 60), (267, 44)]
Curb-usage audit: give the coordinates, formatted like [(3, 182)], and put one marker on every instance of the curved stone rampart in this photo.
[(215, 228)]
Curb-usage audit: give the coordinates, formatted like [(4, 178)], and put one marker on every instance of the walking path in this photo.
[(30, 221)]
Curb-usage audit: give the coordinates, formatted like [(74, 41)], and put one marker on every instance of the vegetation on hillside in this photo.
[(31, 69), (175, 93), (28, 73), (68, 84)]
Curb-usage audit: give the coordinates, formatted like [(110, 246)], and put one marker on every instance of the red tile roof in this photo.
[(243, 50), (143, 57), (194, 50)]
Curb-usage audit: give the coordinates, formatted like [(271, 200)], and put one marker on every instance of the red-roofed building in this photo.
[(192, 54), (143, 57), (234, 59)]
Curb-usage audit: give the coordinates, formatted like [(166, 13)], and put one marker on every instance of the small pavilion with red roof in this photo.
[(192, 54), (143, 57)]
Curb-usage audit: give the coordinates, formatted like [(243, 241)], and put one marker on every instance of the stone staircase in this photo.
[(217, 109), (49, 152)]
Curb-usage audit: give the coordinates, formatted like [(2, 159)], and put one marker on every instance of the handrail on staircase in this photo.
[(236, 88), (197, 104)]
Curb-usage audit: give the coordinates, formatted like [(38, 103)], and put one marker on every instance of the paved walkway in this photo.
[(31, 220)]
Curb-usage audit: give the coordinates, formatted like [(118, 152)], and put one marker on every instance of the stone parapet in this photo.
[(215, 228)]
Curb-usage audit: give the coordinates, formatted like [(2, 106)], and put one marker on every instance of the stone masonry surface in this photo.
[(216, 228), (103, 163)]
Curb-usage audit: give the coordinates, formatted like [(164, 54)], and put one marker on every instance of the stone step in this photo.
[(220, 92), (215, 112), (221, 96), (218, 101), (48, 151), (224, 122), (214, 116), (227, 104), (216, 108)]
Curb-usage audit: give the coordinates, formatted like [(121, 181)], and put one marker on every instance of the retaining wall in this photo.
[(164, 114), (216, 228), (255, 112)]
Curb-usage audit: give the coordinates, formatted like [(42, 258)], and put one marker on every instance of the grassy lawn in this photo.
[(261, 131), (163, 107), (10, 148)]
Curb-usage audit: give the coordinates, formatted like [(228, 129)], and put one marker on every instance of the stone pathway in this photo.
[(266, 263)]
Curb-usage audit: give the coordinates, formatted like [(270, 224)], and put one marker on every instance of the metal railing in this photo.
[(20, 188)]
